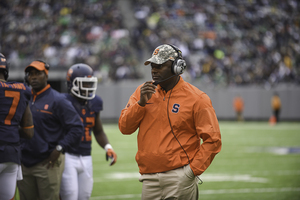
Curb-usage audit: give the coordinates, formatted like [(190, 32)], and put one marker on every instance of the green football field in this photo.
[(257, 161)]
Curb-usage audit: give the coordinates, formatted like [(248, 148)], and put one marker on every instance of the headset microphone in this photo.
[(157, 82)]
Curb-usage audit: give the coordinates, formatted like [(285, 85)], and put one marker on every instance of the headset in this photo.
[(47, 66), (179, 65)]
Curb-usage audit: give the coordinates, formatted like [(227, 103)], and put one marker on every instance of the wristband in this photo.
[(107, 146), (28, 127)]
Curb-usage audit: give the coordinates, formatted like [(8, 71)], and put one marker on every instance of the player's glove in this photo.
[(110, 154)]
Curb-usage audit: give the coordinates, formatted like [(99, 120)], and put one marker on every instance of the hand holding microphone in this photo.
[(146, 92)]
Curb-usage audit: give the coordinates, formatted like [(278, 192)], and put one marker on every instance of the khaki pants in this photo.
[(177, 184), (40, 183)]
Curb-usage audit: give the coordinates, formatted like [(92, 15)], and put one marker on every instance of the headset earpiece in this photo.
[(179, 64), (47, 66)]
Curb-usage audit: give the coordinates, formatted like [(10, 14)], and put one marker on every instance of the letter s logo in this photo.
[(156, 52), (175, 108)]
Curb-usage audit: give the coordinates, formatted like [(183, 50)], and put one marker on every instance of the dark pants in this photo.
[(276, 114)]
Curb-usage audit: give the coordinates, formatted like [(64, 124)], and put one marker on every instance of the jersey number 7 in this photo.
[(12, 110)]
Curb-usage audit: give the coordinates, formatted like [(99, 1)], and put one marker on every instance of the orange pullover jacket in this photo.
[(192, 118)]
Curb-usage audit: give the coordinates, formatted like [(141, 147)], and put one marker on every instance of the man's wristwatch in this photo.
[(59, 148)]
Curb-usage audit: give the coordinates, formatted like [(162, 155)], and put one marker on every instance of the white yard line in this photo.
[(254, 176), (249, 127), (249, 190), (209, 192), (205, 177)]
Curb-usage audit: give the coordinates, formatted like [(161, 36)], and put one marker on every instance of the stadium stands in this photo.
[(224, 42)]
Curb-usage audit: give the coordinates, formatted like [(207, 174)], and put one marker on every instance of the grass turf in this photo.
[(257, 161)]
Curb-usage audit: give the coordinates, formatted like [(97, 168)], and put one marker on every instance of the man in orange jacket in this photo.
[(172, 116), (276, 106), (238, 105)]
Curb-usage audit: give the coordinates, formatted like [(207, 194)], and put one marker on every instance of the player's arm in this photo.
[(102, 139), (27, 129)]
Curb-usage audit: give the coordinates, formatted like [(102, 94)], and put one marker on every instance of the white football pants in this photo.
[(77, 179), (9, 173)]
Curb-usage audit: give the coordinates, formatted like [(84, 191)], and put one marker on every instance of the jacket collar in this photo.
[(40, 92), (43, 90), (178, 85)]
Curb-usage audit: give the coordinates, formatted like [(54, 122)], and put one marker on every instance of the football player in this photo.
[(77, 180), (15, 121)]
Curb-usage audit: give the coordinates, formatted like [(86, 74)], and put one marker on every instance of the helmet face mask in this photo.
[(81, 82), (4, 67), (84, 87)]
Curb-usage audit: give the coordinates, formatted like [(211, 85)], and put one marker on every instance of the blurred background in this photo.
[(246, 48)]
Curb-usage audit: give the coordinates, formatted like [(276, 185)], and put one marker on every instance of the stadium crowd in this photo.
[(67, 32), (223, 42)]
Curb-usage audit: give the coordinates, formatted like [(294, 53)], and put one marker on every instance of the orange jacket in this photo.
[(192, 117), (275, 102), (238, 104)]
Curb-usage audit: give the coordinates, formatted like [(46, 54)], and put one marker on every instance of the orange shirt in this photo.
[(192, 117), (275, 102), (238, 104)]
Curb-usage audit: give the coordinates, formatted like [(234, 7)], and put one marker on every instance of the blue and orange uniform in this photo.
[(88, 111), (55, 119), (14, 98)]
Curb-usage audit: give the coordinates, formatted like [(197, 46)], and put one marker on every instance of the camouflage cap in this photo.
[(162, 54)]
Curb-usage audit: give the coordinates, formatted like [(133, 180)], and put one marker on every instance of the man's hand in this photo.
[(52, 159), (110, 154), (146, 92)]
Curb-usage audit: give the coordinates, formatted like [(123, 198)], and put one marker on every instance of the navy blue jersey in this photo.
[(88, 112), (14, 98), (55, 122)]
